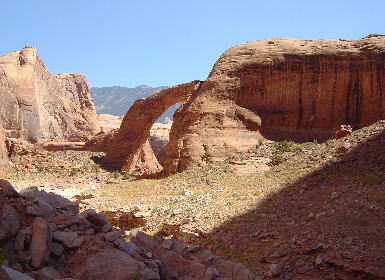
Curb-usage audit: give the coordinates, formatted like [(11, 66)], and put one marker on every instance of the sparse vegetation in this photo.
[(206, 156), (74, 172), (136, 277), (3, 256)]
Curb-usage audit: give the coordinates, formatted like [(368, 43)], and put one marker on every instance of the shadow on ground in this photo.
[(327, 225), (99, 160)]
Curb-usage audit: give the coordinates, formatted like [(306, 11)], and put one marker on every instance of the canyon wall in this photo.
[(3, 149), (279, 89), (38, 106)]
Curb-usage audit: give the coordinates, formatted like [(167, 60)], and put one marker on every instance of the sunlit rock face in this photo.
[(38, 106), (3, 150), (279, 89)]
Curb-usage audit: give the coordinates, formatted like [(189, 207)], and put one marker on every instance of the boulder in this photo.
[(22, 238), (40, 247), (68, 239), (278, 89), (343, 131), (38, 106), (7, 188), (9, 221), (109, 264), (7, 273)]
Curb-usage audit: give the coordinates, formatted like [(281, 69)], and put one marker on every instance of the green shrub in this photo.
[(129, 175), (277, 158), (3, 256), (74, 172), (136, 277), (283, 146), (206, 156)]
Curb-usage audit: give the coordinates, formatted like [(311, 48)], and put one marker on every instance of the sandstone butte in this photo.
[(38, 106), (275, 89)]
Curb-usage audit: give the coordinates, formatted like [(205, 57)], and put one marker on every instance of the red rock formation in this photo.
[(3, 149), (144, 161), (127, 142), (38, 106), (279, 89)]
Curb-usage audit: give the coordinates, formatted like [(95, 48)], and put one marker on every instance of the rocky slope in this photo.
[(279, 89), (38, 106), (44, 235)]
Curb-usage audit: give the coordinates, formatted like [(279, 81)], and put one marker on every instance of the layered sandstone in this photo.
[(38, 106), (124, 147), (279, 89)]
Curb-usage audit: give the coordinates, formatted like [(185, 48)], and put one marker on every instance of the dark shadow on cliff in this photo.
[(329, 224)]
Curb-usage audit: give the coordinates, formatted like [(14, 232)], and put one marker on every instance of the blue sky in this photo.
[(129, 43)]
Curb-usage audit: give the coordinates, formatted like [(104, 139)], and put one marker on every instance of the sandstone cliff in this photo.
[(279, 89), (38, 106), (3, 149)]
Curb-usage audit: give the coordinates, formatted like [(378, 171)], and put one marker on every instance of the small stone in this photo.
[(48, 273), (113, 235), (187, 192), (335, 195), (275, 270), (318, 260), (138, 208), (343, 149), (68, 239), (106, 228), (186, 221), (94, 217)]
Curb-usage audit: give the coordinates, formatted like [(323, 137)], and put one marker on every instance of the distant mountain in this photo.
[(116, 100)]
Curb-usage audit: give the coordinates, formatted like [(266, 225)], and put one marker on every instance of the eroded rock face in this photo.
[(127, 143), (3, 149), (38, 106), (279, 89)]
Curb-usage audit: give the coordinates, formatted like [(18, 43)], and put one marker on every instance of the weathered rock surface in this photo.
[(3, 148), (127, 142), (109, 122), (41, 242), (38, 106), (9, 221), (107, 264), (278, 89)]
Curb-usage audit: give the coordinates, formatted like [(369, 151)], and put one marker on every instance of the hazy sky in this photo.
[(129, 43)]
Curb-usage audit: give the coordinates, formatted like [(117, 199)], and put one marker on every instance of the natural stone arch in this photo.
[(127, 142)]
